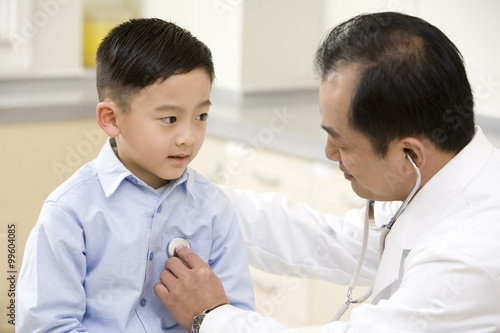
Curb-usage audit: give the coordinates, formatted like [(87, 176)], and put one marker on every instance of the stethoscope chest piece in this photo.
[(174, 242)]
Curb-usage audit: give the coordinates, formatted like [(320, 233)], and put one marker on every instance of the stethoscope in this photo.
[(174, 242), (385, 229)]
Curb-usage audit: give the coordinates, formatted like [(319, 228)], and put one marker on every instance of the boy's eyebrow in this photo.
[(205, 103), (170, 107)]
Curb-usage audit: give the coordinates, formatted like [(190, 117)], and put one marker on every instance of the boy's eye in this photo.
[(202, 116), (169, 120)]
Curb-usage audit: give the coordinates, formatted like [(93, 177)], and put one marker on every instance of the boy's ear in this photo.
[(107, 117)]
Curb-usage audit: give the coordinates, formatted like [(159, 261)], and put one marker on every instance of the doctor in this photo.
[(393, 90)]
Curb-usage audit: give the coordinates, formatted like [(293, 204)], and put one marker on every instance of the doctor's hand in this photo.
[(189, 287)]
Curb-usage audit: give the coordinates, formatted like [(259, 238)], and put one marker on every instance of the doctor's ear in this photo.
[(416, 150), (107, 117)]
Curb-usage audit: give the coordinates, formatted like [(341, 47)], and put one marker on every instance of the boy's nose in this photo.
[(185, 136)]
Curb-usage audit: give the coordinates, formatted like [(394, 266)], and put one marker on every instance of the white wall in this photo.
[(269, 45), (217, 23), (57, 46), (262, 45), (280, 38), (47, 38), (257, 45), (15, 48), (474, 27)]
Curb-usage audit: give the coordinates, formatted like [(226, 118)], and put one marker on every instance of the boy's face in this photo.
[(165, 127)]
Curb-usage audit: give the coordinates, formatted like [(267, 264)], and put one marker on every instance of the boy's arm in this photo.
[(50, 292)]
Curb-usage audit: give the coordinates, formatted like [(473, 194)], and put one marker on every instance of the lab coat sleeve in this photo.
[(228, 319), (442, 291), (288, 239)]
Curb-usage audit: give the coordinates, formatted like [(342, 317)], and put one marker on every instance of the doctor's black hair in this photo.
[(141, 52), (412, 80)]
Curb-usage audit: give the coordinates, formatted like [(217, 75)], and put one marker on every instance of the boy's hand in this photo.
[(188, 287)]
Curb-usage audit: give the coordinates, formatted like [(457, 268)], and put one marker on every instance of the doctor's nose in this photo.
[(332, 152)]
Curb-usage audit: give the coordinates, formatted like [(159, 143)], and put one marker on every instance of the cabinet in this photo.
[(43, 38)]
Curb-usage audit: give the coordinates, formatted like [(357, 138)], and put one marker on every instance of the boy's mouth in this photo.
[(179, 156), (178, 159)]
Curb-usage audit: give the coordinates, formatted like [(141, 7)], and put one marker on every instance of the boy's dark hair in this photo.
[(141, 52), (412, 80)]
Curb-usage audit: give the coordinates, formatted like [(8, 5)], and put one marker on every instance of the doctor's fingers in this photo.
[(167, 280), (199, 275), (179, 307), (171, 287), (191, 259), (176, 267), (161, 291)]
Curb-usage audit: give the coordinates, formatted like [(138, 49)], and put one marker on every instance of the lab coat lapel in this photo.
[(391, 265), (410, 230)]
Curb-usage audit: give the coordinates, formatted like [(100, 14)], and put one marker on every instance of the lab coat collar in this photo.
[(436, 198), (112, 173), (434, 201)]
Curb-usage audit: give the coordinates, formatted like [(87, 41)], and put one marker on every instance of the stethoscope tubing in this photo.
[(385, 229)]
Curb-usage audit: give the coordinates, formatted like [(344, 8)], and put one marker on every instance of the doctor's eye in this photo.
[(202, 117), (169, 120)]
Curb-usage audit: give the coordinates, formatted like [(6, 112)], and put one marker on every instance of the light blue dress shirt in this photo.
[(100, 244)]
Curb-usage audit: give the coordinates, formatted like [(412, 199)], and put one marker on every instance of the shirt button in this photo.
[(143, 302), (151, 256), (158, 210)]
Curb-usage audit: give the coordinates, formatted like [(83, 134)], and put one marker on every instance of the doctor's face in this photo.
[(371, 177)]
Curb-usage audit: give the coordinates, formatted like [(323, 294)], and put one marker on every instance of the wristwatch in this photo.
[(198, 319)]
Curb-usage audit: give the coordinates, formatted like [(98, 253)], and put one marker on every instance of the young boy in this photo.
[(102, 237)]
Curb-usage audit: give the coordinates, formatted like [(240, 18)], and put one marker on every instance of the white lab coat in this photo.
[(440, 271)]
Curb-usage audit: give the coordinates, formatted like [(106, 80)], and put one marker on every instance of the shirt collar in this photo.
[(110, 169), (112, 172), (186, 179)]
